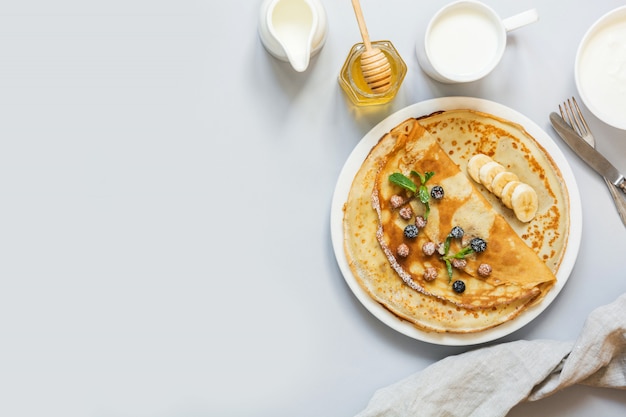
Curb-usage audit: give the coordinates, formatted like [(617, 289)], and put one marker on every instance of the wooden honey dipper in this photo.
[(374, 63)]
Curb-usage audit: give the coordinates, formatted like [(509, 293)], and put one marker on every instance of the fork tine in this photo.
[(572, 117), (580, 116), (567, 115), (573, 114)]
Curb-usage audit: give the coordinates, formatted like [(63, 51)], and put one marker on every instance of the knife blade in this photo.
[(587, 153)]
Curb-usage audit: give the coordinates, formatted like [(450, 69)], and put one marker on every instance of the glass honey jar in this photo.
[(354, 85)]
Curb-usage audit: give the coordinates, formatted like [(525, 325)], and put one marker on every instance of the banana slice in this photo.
[(524, 202), (505, 185), (474, 165), (507, 193), (487, 173), (500, 180)]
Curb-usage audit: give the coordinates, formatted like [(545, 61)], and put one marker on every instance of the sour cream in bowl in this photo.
[(600, 68)]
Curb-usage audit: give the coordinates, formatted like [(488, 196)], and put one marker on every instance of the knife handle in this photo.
[(618, 198)]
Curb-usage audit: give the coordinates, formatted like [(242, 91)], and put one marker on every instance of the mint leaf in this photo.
[(424, 197), (463, 252), (403, 181), (423, 178), (449, 269), (423, 194), (420, 176), (446, 245)]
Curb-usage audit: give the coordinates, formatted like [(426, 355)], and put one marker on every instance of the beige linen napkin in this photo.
[(490, 381)]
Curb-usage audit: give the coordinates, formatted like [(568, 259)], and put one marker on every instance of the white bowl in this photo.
[(600, 69)]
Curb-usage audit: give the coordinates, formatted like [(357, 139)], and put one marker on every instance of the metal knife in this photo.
[(587, 152)]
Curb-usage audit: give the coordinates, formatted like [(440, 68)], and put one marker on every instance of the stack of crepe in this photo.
[(524, 257)]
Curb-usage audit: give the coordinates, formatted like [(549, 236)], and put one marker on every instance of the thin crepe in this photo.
[(369, 263), (517, 273), (375, 275)]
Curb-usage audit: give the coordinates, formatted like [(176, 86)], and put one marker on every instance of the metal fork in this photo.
[(570, 112)]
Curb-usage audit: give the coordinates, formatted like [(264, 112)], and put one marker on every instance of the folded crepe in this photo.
[(373, 230), (517, 271)]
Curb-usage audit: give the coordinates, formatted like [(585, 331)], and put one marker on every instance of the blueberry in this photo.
[(457, 232), (437, 192), (458, 286), (411, 231), (478, 245)]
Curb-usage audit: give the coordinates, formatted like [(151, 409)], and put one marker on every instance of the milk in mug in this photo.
[(463, 41)]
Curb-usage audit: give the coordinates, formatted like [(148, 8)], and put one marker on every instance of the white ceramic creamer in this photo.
[(293, 30)]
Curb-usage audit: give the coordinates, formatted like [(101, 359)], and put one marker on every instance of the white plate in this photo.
[(599, 70), (424, 108)]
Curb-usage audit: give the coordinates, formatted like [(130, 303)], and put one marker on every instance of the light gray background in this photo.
[(165, 187)]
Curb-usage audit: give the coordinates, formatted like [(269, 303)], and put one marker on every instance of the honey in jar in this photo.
[(354, 85)]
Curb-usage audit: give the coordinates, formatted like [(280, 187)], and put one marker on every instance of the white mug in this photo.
[(465, 40)]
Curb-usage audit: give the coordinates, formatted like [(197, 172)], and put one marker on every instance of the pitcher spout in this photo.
[(292, 23), (293, 30)]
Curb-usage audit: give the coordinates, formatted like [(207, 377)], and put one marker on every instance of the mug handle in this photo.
[(520, 19)]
